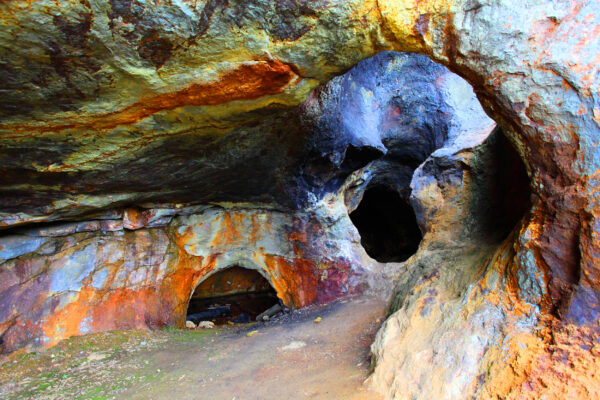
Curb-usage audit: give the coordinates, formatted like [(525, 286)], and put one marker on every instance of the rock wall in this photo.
[(72, 278), (449, 306), (119, 103), (536, 76), (78, 278)]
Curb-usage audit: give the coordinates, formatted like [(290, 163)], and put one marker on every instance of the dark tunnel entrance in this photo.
[(502, 187), (387, 225), (233, 295)]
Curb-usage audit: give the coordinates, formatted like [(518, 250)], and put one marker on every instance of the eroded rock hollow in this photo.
[(441, 154)]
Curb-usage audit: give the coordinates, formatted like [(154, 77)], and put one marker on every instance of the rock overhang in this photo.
[(308, 254)]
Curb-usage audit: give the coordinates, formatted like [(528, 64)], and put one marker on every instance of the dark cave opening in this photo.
[(233, 295), (387, 225), (502, 186)]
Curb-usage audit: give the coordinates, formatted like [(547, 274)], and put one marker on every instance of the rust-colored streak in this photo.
[(248, 82), (118, 309), (294, 281), (230, 232)]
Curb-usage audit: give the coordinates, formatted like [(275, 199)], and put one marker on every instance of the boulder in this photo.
[(206, 325), (190, 325)]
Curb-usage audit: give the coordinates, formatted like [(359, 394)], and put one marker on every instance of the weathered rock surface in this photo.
[(116, 104), (78, 277), (470, 198), (102, 280), (190, 325)]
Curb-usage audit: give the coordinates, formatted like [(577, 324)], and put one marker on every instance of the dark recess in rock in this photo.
[(502, 191), (387, 225), (234, 294), (155, 49)]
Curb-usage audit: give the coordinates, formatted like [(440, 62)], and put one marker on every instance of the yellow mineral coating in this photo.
[(413, 21)]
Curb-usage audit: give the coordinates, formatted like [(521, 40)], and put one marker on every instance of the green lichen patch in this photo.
[(99, 366)]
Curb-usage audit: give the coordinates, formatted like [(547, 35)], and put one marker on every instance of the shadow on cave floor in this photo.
[(290, 358), (235, 308)]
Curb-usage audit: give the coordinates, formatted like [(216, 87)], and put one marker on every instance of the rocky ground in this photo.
[(289, 358)]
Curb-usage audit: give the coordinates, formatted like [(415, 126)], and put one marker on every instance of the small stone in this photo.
[(190, 325), (294, 345), (96, 356), (206, 325)]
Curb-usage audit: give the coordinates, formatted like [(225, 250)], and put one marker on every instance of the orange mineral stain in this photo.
[(250, 81)]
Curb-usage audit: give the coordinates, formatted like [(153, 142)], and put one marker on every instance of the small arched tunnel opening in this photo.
[(387, 225), (232, 295)]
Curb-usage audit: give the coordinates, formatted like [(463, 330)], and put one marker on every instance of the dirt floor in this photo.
[(290, 358)]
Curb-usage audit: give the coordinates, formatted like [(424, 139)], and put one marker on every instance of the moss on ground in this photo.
[(91, 367)]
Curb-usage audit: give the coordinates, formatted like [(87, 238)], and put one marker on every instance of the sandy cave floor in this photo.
[(290, 358)]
